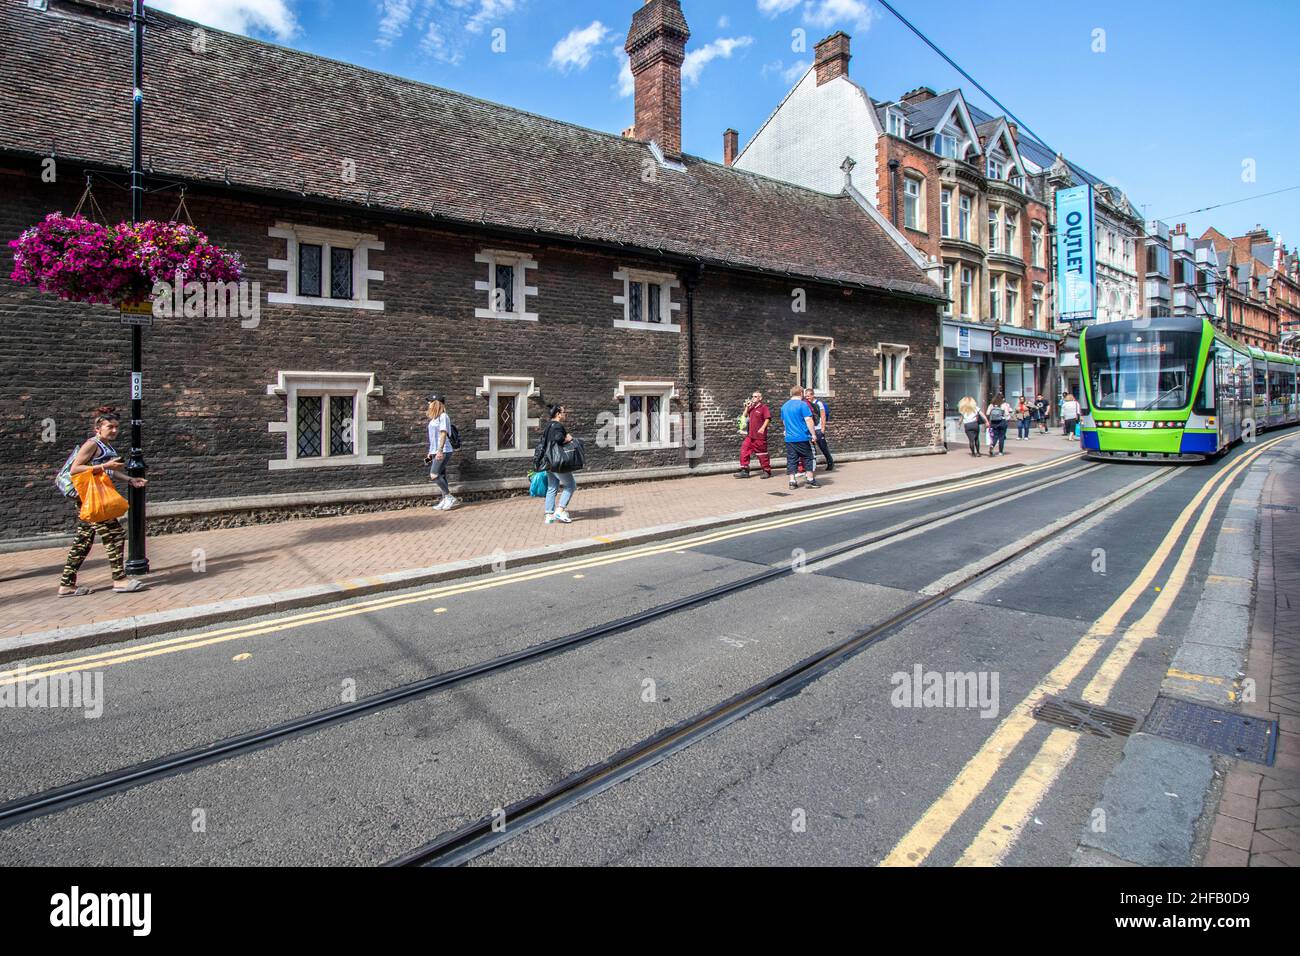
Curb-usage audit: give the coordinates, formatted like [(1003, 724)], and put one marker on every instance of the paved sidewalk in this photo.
[(232, 572), (1258, 822)]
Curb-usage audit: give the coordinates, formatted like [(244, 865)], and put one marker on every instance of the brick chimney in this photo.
[(730, 146), (918, 95), (656, 45), (832, 58), (1014, 130)]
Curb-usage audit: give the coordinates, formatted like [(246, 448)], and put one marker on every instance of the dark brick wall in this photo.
[(206, 401)]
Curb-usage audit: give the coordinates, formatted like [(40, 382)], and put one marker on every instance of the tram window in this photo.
[(1205, 397), (1141, 370)]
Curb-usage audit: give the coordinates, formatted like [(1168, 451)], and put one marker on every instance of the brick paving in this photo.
[(272, 558), (1258, 822)]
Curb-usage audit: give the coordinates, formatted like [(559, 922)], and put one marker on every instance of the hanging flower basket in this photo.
[(82, 261)]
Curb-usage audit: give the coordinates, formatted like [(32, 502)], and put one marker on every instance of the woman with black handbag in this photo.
[(561, 455)]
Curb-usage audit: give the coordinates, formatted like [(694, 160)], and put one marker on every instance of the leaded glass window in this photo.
[(636, 301), (309, 426), (340, 273), (309, 269), (506, 418), (655, 293), (341, 430), (505, 291), (644, 419)]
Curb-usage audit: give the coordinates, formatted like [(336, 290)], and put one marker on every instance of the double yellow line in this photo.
[(1003, 829), (239, 632)]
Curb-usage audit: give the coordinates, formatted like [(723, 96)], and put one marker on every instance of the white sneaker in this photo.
[(550, 519), (443, 503), (452, 502), (563, 517)]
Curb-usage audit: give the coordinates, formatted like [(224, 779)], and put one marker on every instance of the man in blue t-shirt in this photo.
[(797, 418)]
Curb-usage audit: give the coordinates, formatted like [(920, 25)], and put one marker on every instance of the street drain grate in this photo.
[(1078, 715), (1292, 509), (1235, 735)]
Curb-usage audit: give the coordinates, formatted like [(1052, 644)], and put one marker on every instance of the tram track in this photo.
[(65, 796), (465, 844)]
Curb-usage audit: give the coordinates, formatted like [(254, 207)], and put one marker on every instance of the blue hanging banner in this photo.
[(1076, 263)]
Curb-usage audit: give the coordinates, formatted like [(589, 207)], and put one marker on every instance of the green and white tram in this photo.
[(1176, 389)]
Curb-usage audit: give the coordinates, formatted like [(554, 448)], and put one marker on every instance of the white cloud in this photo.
[(838, 13), (579, 46), (772, 8), (434, 44), (238, 16), (697, 60), (490, 11), (394, 15), (724, 22), (796, 70), (626, 81)]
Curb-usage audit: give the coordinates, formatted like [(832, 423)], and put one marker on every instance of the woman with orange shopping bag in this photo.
[(88, 474)]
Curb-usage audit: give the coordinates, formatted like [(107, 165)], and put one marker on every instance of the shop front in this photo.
[(1023, 363)]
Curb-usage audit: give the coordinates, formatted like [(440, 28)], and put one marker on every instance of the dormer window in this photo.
[(897, 125), (946, 145), (995, 168)]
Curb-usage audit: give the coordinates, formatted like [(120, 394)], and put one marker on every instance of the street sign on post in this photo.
[(140, 313)]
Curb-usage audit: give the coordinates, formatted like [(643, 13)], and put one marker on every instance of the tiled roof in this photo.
[(269, 118), (923, 117)]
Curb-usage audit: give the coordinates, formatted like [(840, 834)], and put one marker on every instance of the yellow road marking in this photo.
[(1198, 678), (323, 615), (925, 834), (1011, 817)]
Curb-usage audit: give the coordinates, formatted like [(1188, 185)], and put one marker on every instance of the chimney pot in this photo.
[(730, 146), (656, 47), (832, 59)]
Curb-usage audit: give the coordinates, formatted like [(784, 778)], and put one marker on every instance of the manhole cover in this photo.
[(1078, 715), (1235, 735)]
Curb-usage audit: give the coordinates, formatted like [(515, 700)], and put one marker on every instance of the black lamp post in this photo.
[(137, 558)]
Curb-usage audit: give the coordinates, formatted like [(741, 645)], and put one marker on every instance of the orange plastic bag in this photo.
[(99, 499)]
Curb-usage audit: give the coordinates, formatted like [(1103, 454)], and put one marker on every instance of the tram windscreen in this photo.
[(1135, 371)]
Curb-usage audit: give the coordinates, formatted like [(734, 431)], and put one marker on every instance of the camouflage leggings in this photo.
[(111, 533)]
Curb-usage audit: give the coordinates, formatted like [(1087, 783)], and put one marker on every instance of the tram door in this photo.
[(1227, 397), (1259, 407)]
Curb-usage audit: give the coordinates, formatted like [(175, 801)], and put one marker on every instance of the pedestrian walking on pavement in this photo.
[(757, 418), (1024, 419), (97, 456), (796, 417), (440, 450), (1070, 415), (972, 421), (998, 414), (821, 414), (556, 434), (1042, 413)]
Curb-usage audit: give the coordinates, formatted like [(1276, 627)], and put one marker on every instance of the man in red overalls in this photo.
[(759, 417)]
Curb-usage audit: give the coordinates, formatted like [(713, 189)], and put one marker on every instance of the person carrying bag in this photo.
[(561, 455), (86, 479)]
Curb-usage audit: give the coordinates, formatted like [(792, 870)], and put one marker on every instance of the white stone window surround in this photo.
[(522, 262), (666, 281), (669, 421), (900, 352), (821, 379), (289, 385), (361, 244), (523, 389)]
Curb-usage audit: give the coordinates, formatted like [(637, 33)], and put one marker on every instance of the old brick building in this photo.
[(1249, 293), (954, 188), (407, 239)]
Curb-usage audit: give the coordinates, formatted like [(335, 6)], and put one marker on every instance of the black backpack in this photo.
[(996, 414), (453, 436)]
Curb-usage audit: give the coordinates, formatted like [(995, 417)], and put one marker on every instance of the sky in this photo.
[(1183, 105)]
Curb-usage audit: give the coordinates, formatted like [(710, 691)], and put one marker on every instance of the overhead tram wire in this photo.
[(951, 62)]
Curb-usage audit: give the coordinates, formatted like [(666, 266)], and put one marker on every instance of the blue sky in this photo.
[(1178, 103)]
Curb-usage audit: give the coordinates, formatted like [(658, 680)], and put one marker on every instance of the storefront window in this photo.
[(960, 378)]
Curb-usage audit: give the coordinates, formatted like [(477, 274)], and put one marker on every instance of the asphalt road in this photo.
[(857, 770)]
